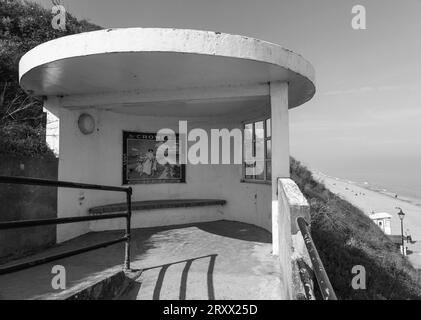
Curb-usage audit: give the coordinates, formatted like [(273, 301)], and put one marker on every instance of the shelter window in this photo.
[(257, 151)]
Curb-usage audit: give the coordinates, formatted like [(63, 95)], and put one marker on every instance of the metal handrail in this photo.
[(325, 286), (41, 222)]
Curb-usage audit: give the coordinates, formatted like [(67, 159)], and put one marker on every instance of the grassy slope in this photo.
[(346, 237)]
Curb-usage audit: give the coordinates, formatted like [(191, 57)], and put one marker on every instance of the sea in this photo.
[(391, 176)]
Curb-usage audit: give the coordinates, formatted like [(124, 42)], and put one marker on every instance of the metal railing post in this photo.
[(41, 222), (128, 229), (326, 289)]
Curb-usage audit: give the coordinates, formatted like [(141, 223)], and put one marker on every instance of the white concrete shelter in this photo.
[(146, 79)]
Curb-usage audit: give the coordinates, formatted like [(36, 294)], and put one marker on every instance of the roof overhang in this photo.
[(103, 65)]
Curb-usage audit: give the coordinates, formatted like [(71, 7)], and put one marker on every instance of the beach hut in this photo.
[(110, 94), (383, 220)]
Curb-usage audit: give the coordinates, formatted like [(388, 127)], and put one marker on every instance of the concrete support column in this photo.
[(280, 157), (281, 223)]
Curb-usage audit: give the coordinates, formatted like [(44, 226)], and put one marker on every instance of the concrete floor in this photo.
[(215, 260)]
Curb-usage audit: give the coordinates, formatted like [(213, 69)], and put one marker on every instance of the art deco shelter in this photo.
[(107, 94)]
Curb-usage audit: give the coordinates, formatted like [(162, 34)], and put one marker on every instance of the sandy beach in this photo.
[(370, 199)]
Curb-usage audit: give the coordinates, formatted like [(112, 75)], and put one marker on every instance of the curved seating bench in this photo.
[(153, 213)]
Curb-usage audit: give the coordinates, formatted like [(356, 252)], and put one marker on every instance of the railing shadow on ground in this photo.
[(135, 286)]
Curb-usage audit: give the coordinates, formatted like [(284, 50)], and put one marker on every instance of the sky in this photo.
[(364, 123)]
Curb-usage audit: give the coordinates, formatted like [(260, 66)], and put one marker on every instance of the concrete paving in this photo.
[(215, 260)]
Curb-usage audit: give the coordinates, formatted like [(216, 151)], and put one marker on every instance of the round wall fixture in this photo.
[(86, 123)]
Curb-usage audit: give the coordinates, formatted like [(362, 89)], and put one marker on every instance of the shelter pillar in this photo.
[(280, 164)]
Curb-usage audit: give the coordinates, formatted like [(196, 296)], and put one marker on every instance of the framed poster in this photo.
[(140, 164)]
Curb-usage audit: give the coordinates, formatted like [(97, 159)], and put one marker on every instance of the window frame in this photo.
[(266, 138)]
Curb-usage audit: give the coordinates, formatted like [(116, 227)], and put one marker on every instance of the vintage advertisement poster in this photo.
[(140, 163)]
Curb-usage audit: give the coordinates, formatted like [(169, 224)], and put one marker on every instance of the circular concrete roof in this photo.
[(136, 59)]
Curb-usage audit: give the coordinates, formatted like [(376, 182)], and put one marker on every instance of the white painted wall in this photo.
[(97, 158), (52, 132)]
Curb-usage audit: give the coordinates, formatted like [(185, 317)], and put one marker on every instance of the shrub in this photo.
[(24, 25), (23, 140)]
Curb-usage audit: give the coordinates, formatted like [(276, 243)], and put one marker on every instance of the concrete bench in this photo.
[(153, 213), (156, 204)]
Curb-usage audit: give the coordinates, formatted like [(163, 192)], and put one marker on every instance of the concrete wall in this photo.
[(298, 274), (97, 158), (22, 202)]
